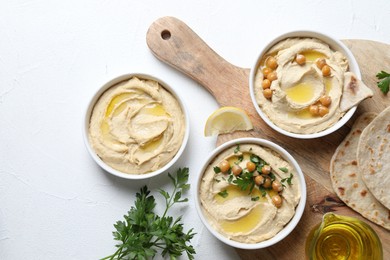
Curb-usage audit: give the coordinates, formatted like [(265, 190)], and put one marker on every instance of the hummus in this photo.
[(243, 215), (301, 84), (137, 126)]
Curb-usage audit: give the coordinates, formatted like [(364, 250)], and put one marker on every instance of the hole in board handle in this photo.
[(166, 34)]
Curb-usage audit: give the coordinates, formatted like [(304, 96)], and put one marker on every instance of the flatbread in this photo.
[(346, 178), (354, 92), (374, 157)]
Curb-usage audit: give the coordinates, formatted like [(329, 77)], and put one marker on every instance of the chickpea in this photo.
[(271, 63), (266, 71), (320, 62), (325, 70), (300, 59), (277, 201), (267, 93), (250, 166), (266, 83), (322, 110), (266, 169), (236, 169), (277, 186), (325, 100), (259, 180), (267, 183), (314, 110), (272, 76), (224, 166)]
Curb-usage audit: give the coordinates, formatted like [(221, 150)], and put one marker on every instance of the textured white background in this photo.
[(55, 202)]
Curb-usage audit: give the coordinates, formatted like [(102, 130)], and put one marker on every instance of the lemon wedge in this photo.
[(227, 120)]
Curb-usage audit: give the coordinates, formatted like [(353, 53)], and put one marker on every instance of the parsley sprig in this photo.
[(143, 232), (246, 179), (384, 81), (288, 179)]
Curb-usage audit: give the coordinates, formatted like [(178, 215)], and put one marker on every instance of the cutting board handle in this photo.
[(174, 43)]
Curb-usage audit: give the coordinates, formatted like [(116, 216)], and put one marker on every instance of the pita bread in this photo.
[(347, 181), (374, 157), (354, 92)]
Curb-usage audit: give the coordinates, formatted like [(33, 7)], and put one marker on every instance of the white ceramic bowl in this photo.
[(335, 45), (299, 209), (88, 114)]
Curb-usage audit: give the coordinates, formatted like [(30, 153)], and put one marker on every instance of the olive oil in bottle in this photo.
[(341, 237)]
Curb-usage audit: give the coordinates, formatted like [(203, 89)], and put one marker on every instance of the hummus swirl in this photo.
[(242, 216), (137, 126), (299, 86)]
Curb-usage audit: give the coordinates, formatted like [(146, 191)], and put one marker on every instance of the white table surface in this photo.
[(55, 201)]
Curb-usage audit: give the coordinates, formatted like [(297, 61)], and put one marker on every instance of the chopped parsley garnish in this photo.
[(255, 159), (288, 179), (255, 198), (245, 181), (223, 193), (284, 169), (263, 191), (217, 169), (237, 149), (272, 176)]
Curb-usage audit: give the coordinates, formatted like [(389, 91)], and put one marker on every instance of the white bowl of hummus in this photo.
[(305, 84), (136, 126), (251, 193)]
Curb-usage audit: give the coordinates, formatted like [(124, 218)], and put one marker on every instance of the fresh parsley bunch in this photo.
[(143, 232)]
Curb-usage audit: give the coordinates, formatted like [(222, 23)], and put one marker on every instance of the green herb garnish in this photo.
[(237, 149), (263, 191), (223, 193), (245, 181), (384, 81), (272, 176), (255, 198), (288, 179), (217, 169), (284, 169), (143, 232), (255, 159)]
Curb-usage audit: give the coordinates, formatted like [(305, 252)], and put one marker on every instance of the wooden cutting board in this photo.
[(174, 43)]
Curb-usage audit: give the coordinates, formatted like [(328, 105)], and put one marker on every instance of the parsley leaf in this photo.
[(245, 181), (143, 232), (284, 169), (272, 176), (237, 149), (288, 179), (223, 193), (217, 169), (384, 81), (255, 159), (230, 179), (255, 198), (263, 191)]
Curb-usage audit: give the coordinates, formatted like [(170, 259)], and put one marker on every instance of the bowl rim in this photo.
[(88, 113), (299, 209), (335, 44)]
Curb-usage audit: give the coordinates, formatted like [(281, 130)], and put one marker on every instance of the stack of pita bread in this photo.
[(360, 167)]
